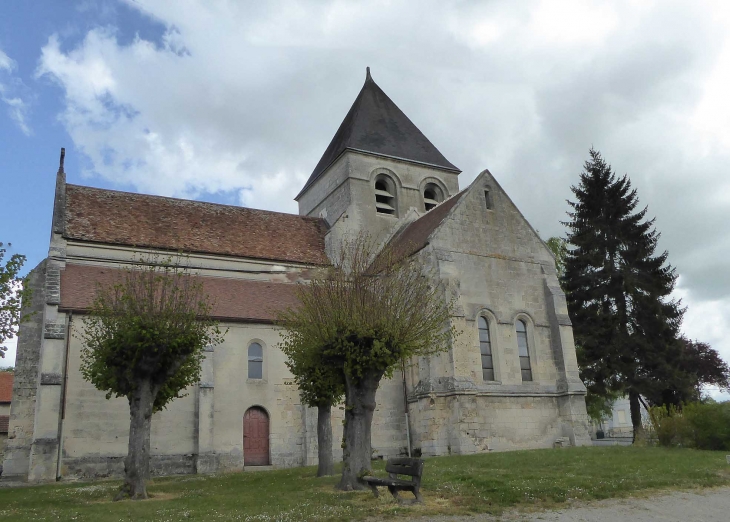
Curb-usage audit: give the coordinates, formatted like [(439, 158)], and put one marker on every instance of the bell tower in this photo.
[(378, 168)]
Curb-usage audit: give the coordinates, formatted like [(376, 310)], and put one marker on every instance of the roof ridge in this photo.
[(195, 201), (422, 236)]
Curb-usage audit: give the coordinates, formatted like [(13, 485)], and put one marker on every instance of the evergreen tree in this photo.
[(618, 290)]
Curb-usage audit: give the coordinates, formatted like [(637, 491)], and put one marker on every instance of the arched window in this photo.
[(485, 347), (432, 196), (524, 351), (385, 195), (255, 361)]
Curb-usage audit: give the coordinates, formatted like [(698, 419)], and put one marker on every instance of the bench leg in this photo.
[(393, 492), (417, 493), (374, 490)]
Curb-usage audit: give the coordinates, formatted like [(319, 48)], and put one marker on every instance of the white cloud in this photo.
[(6, 63), (243, 98), (17, 108)]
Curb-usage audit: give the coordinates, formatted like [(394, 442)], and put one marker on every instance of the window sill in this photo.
[(256, 381)]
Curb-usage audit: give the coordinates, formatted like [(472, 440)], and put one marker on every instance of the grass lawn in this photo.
[(453, 485)]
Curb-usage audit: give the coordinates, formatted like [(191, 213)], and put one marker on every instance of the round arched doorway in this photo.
[(256, 437)]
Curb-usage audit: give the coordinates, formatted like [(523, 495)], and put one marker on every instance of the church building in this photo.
[(509, 381)]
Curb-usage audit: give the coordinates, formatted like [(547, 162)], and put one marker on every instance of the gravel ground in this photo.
[(708, 505)]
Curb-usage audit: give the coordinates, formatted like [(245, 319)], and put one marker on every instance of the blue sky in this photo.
[(235, 102), (29, 158)]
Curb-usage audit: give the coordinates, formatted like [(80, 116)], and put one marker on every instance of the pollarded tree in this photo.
[(143, 339), (320, 383), (370, 311), (618, 290), (12, 295)]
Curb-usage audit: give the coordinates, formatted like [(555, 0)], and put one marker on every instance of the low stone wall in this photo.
[(113, 467), (467, 424)]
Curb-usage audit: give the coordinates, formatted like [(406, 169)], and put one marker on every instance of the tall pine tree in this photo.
[(626, 326)]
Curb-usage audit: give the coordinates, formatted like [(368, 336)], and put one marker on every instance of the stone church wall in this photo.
[(95, 431), (26, 379), (494, 264)]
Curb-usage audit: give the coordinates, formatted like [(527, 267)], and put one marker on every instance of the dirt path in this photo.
[(709, 505)]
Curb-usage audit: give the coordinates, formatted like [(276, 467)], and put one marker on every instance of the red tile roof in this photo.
[(6, 386), (415, 236), (124, 218), (234, 299), (4, 423)]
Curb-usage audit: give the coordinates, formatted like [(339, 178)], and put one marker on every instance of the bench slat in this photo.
[(405, 466)]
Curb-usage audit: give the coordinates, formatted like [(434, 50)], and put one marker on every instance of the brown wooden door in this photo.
[(255, 437)]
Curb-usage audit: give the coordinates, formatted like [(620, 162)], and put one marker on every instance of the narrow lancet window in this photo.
[(485, 347), (255, 361), (525, 367)]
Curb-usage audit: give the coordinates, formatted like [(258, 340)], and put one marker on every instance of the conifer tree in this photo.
[(625, 324)]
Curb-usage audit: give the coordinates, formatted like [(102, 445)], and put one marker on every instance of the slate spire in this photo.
[(376, 125)]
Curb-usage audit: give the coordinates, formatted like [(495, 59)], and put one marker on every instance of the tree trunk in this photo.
[(137, 463), (359, 408), (326, 465), (635, 408)]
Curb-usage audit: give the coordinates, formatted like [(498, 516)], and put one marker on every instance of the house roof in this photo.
[(375, 124), (124, 218), (6, 386), (416, 235), (234, 299)]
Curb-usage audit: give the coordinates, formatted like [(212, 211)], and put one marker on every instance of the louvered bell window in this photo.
[(525, 367), (432, 196), (385, 196), (485, 347)]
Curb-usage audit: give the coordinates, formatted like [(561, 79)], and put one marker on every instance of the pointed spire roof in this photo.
[(376, 125)]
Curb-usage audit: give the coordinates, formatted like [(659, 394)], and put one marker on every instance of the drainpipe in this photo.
[(405, 405), (63, 397)]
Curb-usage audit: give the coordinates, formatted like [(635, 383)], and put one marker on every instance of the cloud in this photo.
[(6, 63), (17, 108), (241, 99)]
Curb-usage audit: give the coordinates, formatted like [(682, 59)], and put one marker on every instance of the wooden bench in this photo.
[(401, 466)]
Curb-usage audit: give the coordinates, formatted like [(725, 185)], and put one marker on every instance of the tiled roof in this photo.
[(123, 218), (234, 299), (415, 236), (6, 386), (4, 423), (375, 124)]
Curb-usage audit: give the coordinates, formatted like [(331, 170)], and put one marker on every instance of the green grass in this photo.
[(453, 485)]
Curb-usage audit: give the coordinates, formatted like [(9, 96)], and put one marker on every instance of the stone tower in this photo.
[(377, 168)]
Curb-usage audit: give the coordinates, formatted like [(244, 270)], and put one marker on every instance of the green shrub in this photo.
[(710, 423), (698, 425), (669, 426)]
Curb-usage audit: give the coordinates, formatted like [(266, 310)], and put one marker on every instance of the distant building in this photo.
[(510, 381), (6, 395), (618, 424)]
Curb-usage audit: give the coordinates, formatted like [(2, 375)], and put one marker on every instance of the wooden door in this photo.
[(255, 437)]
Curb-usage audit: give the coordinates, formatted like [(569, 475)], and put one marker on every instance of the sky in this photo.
[(234, 102)]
